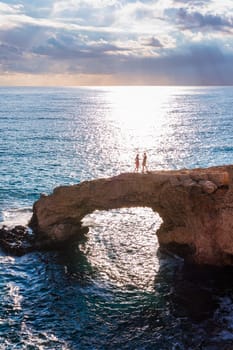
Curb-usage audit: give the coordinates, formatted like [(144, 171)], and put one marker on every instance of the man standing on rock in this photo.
[(144, 163)]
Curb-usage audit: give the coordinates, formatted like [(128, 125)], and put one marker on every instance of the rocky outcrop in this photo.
[(17, 241), (196, 207)]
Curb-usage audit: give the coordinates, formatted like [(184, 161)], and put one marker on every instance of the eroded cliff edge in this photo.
[(196, 207)]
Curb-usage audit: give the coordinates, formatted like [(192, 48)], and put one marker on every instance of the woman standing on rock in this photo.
[(136, 163)]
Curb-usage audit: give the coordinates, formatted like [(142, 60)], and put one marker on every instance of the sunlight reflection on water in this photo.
[(163, 121), (13, 292), (122, 246)]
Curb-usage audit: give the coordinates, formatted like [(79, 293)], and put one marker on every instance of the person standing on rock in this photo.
[(136, 163), (144, 163)]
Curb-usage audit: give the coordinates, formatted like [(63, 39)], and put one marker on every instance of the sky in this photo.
[(116, 42)]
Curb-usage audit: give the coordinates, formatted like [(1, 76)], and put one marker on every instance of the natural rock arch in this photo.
[(196, 207)]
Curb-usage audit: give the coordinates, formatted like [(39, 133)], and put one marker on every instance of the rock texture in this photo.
[(17, 241), (196, 207)]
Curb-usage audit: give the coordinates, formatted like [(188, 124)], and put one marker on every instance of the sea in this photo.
[(112, 289)]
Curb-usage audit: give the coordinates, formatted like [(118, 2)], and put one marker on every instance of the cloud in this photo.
[(32, 7), (10, 9), (158, 41), (45, 50), (9, 52), (199, 3), (94, 12), (153, 42), (74, 48), (197, 64), (194, 65), (196, 20)]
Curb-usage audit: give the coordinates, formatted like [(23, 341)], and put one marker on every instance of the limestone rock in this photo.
[(196, 207), (208, 186)]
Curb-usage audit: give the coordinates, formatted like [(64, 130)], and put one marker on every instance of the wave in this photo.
[(15, 216)]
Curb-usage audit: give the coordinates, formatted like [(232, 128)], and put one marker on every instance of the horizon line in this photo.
[(115, 85)]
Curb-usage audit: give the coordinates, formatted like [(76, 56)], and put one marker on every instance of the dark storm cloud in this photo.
[(199, 65), (196, 20)]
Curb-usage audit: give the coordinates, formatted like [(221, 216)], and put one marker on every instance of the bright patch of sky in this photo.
[(134, 41)]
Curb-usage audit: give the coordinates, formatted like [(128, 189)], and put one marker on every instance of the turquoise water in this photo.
[(112, 290)]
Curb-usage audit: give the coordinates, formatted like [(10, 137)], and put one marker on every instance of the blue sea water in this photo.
[(113, 290)]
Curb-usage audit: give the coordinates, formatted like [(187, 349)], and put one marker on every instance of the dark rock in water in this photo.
[(16, 241), (20, 240)]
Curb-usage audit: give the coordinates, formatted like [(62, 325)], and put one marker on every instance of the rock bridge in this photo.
[(196, 207)]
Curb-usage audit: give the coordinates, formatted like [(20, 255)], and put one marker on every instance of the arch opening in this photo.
[(122, 246)]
